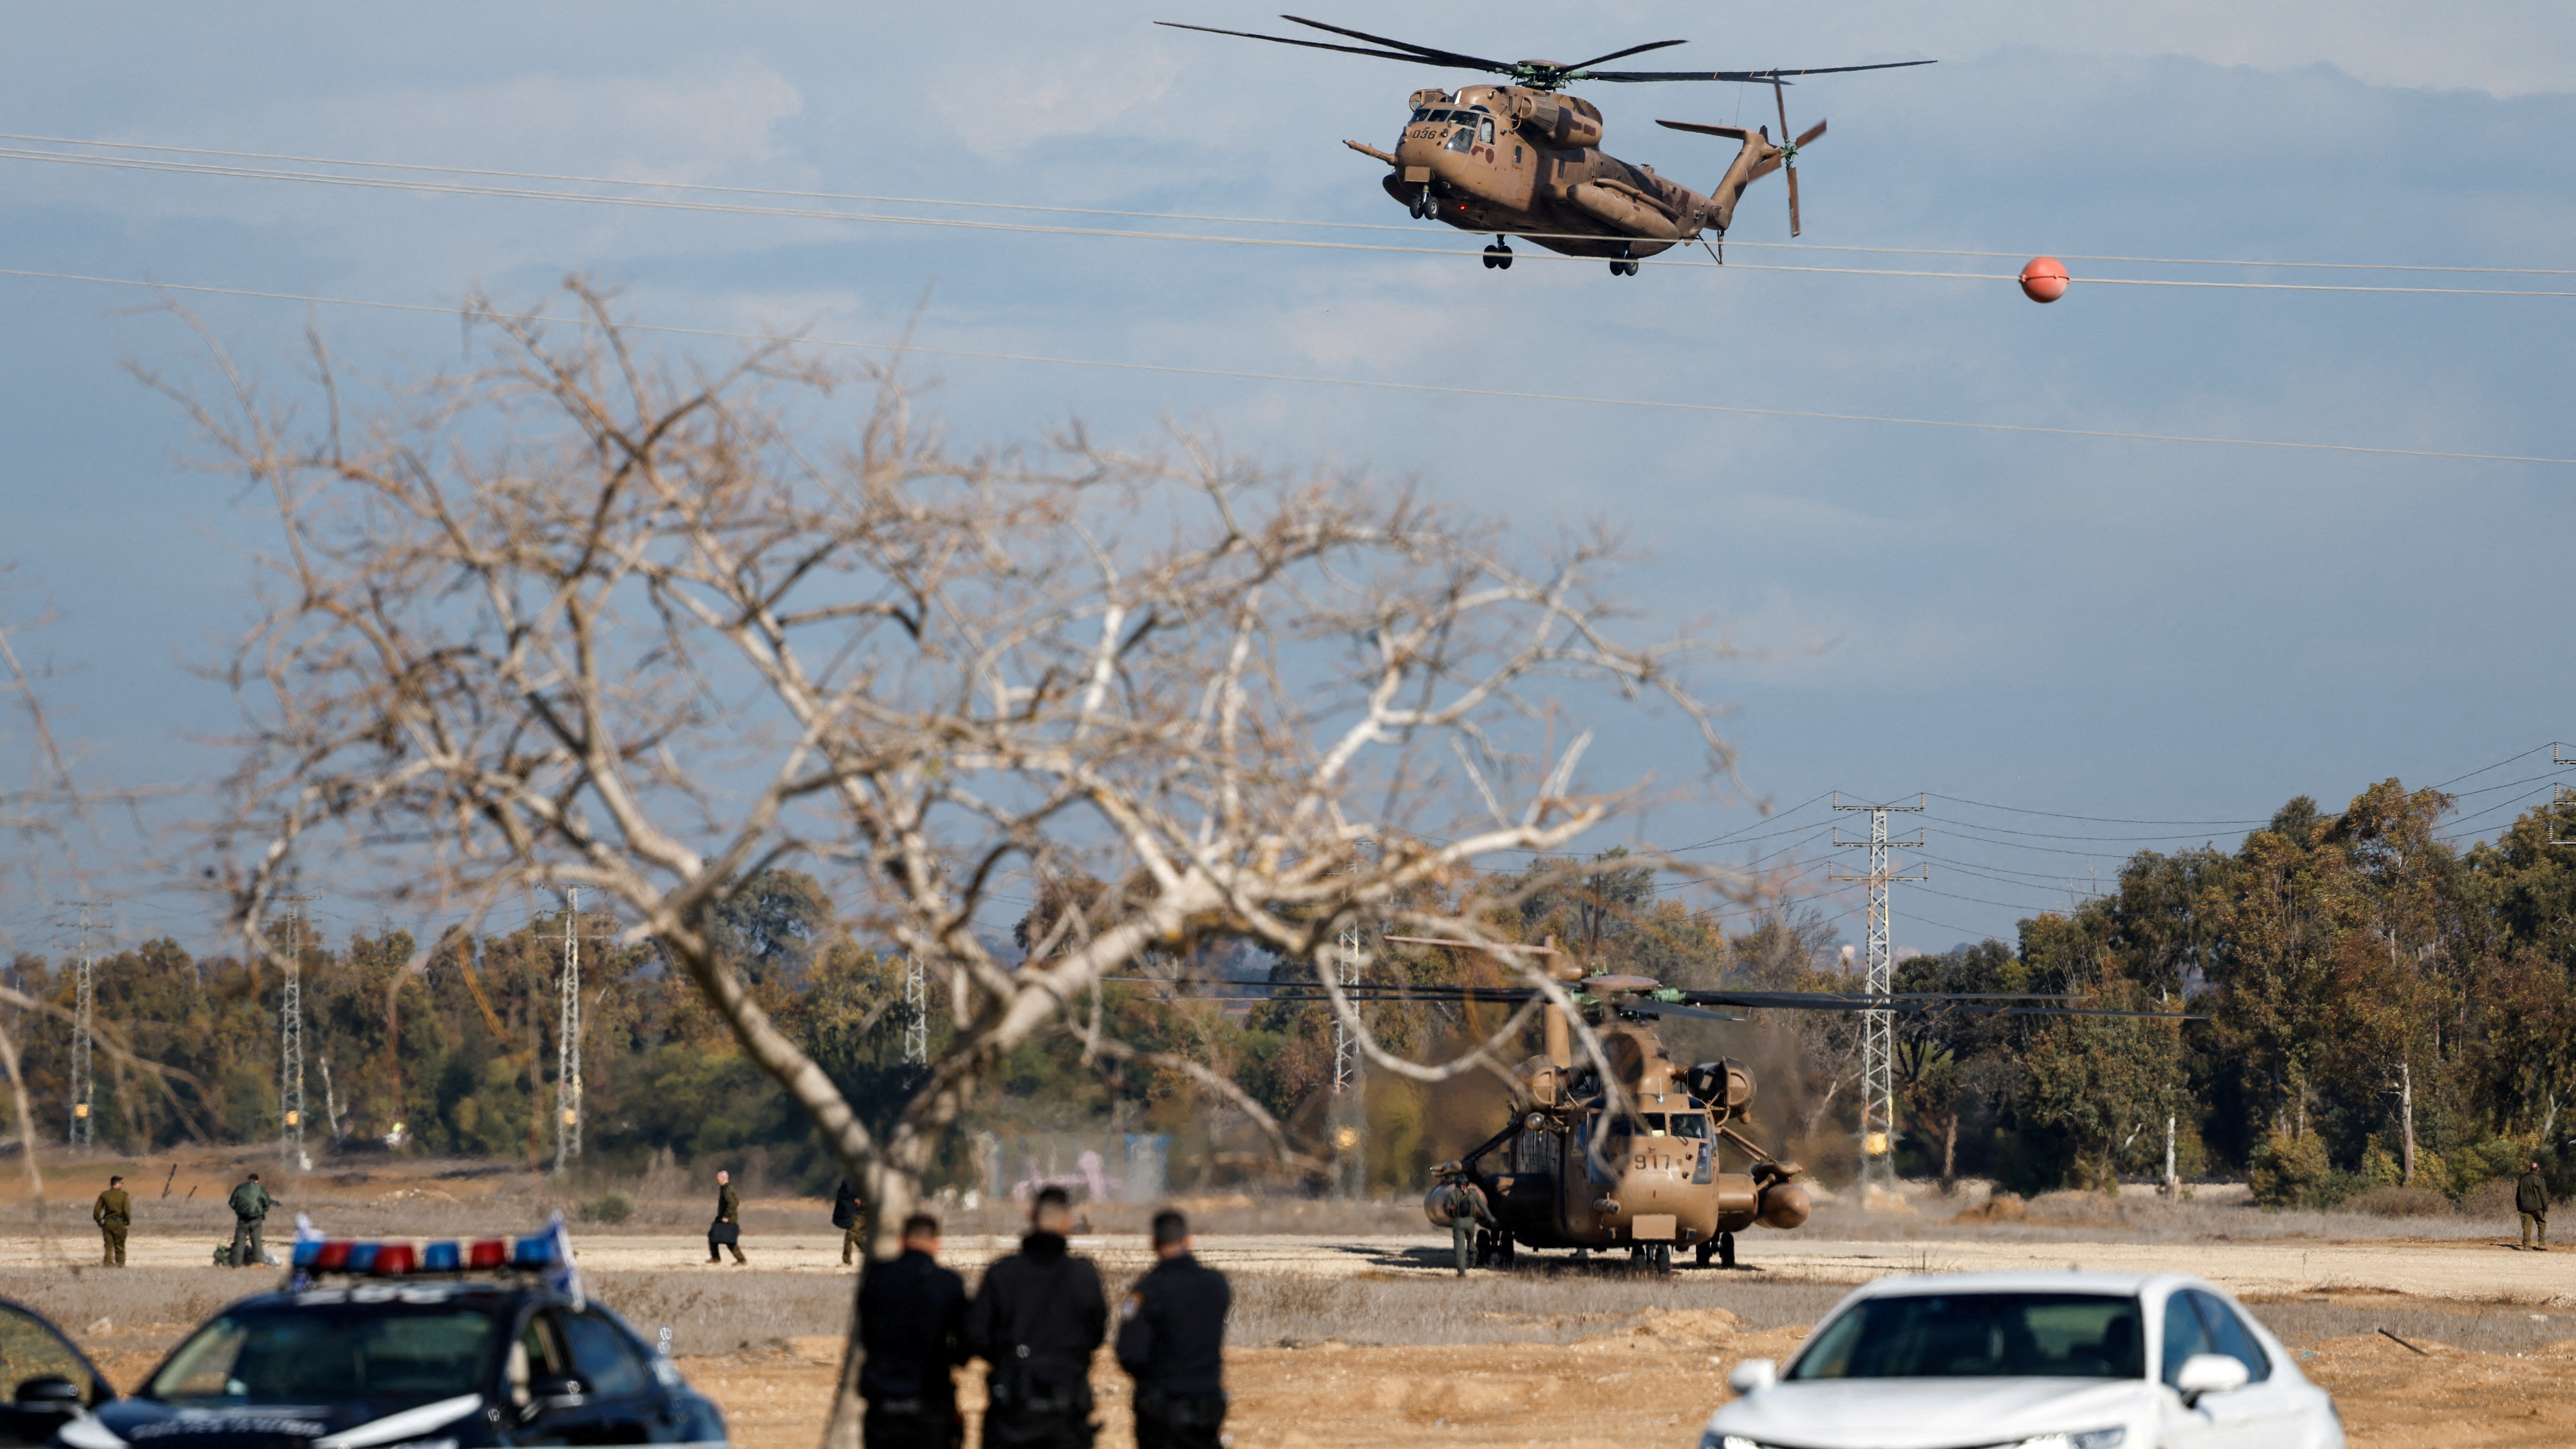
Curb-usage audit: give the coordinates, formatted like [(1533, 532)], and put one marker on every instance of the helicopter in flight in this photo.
[(1639, 1160), (1524, 158)]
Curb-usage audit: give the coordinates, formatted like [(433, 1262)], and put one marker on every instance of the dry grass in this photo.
[(2094, 1217)]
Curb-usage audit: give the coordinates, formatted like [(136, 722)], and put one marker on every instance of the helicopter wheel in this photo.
[(1659, 1258), (1623, 268), (1706, 1251), (1726, 1250)]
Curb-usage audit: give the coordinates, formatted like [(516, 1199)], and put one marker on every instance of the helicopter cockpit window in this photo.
[(1420, 115), (1485, 132), (1654, 1124), (1690, 1124)]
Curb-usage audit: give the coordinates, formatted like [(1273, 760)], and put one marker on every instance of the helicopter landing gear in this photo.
[(1493, 1249), (1721, 1247), (1424, 207), (1499, 255), (1623, 268)]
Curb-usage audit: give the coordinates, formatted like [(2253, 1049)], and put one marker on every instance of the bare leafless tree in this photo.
[(576, 616)]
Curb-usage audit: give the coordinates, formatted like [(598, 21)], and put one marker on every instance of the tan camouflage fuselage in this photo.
[(1524, 162)]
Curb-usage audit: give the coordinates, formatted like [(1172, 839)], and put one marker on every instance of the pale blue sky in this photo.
[(2146, 631)]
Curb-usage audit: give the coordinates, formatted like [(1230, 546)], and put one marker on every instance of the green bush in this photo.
[(2378, 1168), (2294, 1172), (609, 1207)]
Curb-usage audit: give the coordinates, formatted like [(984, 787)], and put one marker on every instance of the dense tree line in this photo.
[(2380, 1009), (2383, 1009)]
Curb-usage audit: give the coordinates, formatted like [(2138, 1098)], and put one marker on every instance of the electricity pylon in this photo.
[(84, 1131), (1878, 1025), (290, 1039)]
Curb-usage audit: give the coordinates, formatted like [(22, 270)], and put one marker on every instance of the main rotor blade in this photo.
[(1745, 77), (1345, 49), (1657, 1008), (1426, 51), (1476, 945), (1631, 50)]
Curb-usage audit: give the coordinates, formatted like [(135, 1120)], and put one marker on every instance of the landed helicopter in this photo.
[(1525, 159), (1637, 1162)]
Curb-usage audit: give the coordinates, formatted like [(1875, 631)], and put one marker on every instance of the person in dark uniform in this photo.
[(1036, 1320), (114, 1213), (2531, 1199), (250, 1204), (912, 1324), (1171, 1341), (726, 1230), (845, 1216)]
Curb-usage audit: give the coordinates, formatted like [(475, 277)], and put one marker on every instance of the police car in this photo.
[(445, 1345)]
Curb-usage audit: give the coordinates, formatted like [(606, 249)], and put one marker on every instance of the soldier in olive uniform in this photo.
[(2531, 1199), (250, 1204), (845, 1216), (114, 1213), (1171, 1340), (1036, 1320), (728, 1216)]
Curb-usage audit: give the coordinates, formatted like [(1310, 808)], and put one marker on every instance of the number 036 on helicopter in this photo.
[(1524, 158)]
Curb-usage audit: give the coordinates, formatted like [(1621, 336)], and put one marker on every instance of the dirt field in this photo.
[(1349, 1330), (1395, 1352)]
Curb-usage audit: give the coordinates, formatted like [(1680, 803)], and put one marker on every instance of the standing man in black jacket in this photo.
[(1035, 1322), (912, 1324), (1171, 1341)]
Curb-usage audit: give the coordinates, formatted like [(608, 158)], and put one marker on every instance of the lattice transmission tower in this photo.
[(83, 1130), (916, 1019), (290, 1039), (1878, 1026)]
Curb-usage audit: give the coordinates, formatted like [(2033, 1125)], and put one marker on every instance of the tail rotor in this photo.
[(1789, 149)]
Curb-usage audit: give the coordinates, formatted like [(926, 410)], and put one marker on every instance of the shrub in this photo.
[(2392, 1201), (2294, 1172), (2379, 1168), (609, 1207), (2491, 1199)]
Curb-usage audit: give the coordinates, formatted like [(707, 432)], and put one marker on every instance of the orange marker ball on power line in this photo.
[(2045, 279)]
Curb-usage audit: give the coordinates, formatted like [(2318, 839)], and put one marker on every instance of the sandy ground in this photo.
[(1650, 1381), (1650, 1386), (2471, 1270)]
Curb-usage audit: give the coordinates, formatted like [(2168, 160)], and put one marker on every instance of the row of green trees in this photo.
[(2380, 1009)]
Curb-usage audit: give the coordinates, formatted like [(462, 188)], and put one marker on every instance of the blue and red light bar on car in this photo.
[(539, 1251)]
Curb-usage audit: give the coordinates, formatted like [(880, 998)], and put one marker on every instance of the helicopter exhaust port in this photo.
[(1785, 1205)]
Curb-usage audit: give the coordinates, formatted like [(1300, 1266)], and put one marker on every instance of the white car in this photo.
[(2030, 1361)]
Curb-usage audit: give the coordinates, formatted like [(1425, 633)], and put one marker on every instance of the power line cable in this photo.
[(2094, 819), (2498, 765), (654, 203), (1036, 207), (1170, 369)]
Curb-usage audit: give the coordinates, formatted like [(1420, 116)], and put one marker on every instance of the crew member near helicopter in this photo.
[(1171, 1341), (1467, 1210)]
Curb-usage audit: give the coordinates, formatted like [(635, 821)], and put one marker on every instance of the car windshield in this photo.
[(1980, 1335), (326, 1353)]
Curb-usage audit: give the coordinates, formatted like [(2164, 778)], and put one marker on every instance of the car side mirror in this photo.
[(2208, 1373), (1756, 1374), (559, 1392), (50, 1391)]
